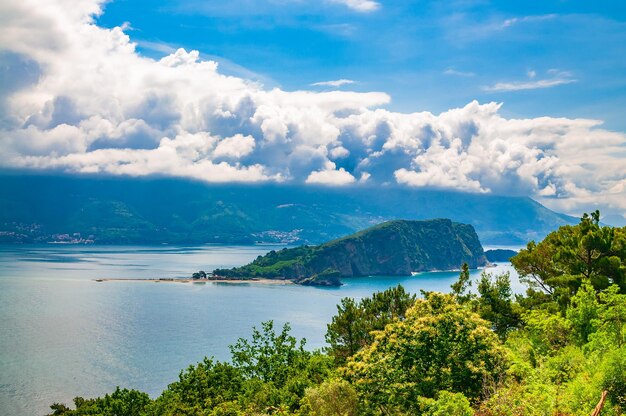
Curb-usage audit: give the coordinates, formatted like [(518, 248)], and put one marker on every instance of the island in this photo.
[(500, 255), (393, 248)]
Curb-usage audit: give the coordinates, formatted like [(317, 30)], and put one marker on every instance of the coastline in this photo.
[(188, 280)]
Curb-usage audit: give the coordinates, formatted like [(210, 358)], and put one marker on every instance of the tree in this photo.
[(495, 303), (277, 368), (199, 387), (334, 397), (440, 345), (612, 317), (461, 286), (199, 275), (583, 313), (120, 402), (268, 356), (351, 329), (586, 251), (347, 332)]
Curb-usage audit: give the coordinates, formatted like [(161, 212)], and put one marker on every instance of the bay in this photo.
[(62, 334)]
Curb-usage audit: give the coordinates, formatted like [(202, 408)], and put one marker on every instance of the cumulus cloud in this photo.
[(235, 147), (335, 83), (331, 177), (80, 98)]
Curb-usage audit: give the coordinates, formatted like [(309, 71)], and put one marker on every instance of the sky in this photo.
[(506, 97)]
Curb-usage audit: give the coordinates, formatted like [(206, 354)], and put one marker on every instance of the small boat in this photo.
[(414, 273)]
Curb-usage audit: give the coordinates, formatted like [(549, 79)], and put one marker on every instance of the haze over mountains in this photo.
[(118, 210)]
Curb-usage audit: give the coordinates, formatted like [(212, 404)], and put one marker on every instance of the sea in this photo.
[(63, 334)]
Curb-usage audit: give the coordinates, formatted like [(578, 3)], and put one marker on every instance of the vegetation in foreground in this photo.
[(476, 351)]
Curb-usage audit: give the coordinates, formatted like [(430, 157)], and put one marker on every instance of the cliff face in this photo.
[(394, 248)]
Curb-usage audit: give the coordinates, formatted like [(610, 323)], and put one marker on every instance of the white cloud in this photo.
[(454, 72), (363, 6), (92, 104), (335, 83), (331, 177), (235, 147), (557, 78), (339, 152), (526, 19)]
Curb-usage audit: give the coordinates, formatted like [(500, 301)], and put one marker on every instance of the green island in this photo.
[(560, 349), (499, 254), (393, 248)]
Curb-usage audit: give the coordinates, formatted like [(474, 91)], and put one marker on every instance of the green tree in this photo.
[(334, 397), (614, 379), (347, 332), (120, 402), (439, 346), (277, 368), (583, 313), (446, 404), (495, 303), (460, 287), (351, 329), (268, 356), (199, 387), (612, 317), (586, 251)]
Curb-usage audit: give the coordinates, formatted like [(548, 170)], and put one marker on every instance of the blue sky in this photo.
[(428, 55), (507, 98)]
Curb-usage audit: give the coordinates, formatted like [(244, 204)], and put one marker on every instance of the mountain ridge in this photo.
[(120, 210)]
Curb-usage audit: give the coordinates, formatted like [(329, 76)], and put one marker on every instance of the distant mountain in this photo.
[(614, 220), (394, 248), (121, 210)]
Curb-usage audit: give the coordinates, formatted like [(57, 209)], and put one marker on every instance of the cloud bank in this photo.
[(79, 98)]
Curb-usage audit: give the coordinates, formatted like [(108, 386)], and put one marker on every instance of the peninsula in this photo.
[(393, 248)]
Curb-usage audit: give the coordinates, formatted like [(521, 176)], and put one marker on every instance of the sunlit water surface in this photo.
[(62, 334)]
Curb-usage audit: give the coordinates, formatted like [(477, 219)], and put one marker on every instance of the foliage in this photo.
[(120, 402), (583, 313), (199, 275), (461, 287), (335, 397), (446, 404), (495, 303), (439, 346), (351, 329), (614, 379), (586, 251), (205, 385)]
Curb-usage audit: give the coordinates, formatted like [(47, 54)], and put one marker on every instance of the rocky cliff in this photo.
[(393, 248)]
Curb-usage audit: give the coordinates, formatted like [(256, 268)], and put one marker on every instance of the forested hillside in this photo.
[(153, 211), (393, 248)]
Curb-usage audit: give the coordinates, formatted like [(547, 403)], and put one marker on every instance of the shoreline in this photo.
[(189, 280)]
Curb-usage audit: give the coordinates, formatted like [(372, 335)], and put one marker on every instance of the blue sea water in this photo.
[(62, 334)]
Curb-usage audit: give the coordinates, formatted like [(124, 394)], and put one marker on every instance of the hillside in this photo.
[(158, 210), (394, 248)]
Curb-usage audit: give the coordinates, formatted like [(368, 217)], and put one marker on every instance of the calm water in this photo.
[(64, 335)]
